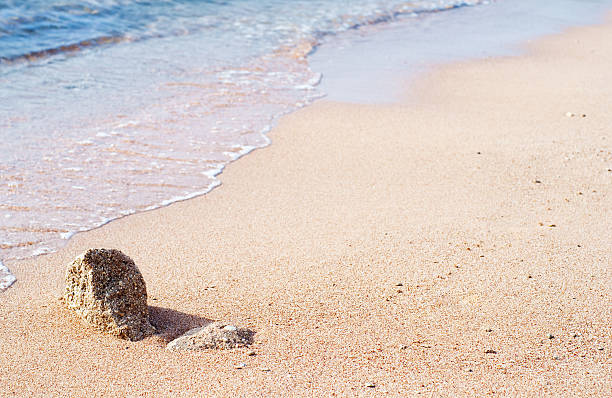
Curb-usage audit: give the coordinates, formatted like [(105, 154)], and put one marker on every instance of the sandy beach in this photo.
[(455, 244)]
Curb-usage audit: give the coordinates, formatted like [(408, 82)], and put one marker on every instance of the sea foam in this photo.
[(6, 278)]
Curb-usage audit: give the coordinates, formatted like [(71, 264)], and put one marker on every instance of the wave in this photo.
[(64, 49), (161, 26)]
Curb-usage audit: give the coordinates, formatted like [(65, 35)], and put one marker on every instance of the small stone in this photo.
[(538, 181), (489, 330), (490, 351), (576, 334), (583, 115), (403, 347), (370, 385), (265, 369), (570, 114), (106, 289), (213, 336), (241, 365), (552, 225), (399, 284), (600, 349), (251, 353), (550, 336)]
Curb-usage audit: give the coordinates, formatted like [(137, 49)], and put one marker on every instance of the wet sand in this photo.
[(457, 243)]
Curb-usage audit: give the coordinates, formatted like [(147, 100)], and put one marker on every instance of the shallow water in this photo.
[(109, 107)]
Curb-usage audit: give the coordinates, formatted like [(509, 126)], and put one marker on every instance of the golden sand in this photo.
[(456, 244)]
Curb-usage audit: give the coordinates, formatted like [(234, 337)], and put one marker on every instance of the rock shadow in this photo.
[(170, 324)]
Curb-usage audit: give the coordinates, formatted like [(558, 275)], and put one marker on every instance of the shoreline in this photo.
[(381, 35), (124, 131), (309, 240)]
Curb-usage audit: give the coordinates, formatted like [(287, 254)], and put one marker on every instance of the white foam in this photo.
[(42, 250), (209, 188), (67, 235), (316, 79), (6, 278)]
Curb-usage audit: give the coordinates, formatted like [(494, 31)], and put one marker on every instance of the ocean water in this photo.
[(110, 107)]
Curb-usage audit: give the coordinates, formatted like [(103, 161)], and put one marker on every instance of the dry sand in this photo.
[(490, 206)]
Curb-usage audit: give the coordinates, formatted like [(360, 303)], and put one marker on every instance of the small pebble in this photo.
[(241, 365), (370, 385), (399, 284), (550, 336), (583, 115), (538, 181), (600, 348), (403, 347), (576, 334), (251, 353), (489, 330), (265, 369), (489, 351), (230, 328)]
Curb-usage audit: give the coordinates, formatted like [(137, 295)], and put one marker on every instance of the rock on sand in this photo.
[(217, 335), (106, 289)]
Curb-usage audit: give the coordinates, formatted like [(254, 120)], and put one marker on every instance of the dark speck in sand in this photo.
[(538, 181), (489, 351)]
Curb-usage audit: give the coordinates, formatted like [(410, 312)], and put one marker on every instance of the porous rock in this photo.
[(216, 335), (106, 289)]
